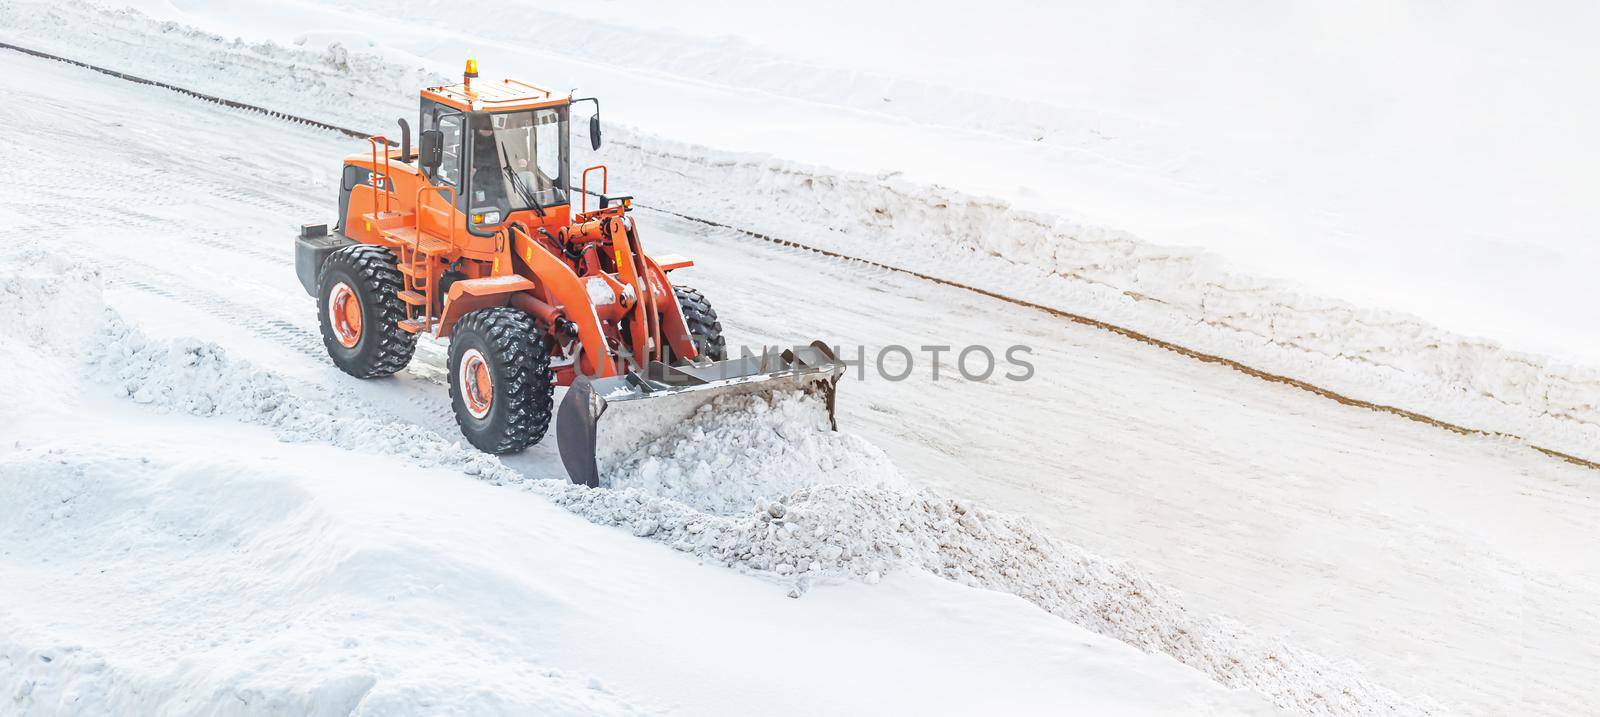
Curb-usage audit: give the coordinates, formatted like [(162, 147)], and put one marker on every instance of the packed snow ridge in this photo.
[(829, 532), (755, 483), (1179, 295), (1183, 296)]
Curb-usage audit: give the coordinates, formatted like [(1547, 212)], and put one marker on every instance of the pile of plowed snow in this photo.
[(49, 313), (751, 482), (742, 450)]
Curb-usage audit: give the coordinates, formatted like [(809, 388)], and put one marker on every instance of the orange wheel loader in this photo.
[(475, 238)]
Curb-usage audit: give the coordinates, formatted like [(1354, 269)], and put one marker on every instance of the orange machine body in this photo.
[(485, 236), (583, 274)]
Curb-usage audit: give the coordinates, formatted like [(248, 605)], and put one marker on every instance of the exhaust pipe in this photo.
[(405, 140)]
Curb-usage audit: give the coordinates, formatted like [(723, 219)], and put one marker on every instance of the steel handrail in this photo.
[(605, 183), (388, 194)]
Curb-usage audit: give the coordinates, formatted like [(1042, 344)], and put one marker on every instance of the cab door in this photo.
[(435, 215)]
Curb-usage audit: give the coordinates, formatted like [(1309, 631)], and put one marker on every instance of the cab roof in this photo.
[(493, 96)]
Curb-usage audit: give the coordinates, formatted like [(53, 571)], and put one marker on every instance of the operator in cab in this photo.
[(488, 178)]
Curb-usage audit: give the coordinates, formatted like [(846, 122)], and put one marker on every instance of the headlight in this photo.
[(600, 293), (486, 216)]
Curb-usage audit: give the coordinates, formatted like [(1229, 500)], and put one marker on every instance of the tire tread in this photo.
[(525, 391), (373, 268), (704, 328)]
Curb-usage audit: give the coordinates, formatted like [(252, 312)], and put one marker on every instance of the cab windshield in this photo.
[(519, 160)]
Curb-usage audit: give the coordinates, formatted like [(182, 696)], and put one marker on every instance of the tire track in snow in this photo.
[(425, 407)]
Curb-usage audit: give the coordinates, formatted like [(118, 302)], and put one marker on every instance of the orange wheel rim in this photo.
[(477, 385), (344, 315)]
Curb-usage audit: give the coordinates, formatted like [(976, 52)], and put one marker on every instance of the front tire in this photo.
[(359, 306), (704, 329), (501, 385)]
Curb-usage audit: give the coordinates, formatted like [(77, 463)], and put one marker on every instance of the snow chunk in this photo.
[(740, 451)]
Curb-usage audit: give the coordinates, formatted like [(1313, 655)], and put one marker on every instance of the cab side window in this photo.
[(450, 169)]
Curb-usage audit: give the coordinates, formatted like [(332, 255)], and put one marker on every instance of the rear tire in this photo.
[(501, 385), (359, 306), (704, 329)]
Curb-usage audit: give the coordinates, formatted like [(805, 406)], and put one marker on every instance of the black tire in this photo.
[(381, 347), (512, 347), (704, 329)]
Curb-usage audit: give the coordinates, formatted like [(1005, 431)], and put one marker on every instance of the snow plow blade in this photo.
[(662, 396)]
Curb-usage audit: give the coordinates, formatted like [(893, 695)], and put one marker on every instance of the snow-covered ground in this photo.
[(191, 533), (150, 570), (1389, 200), (1335, 559), (863, 532)]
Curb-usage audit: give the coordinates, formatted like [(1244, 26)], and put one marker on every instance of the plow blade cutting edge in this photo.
[(663, 396)]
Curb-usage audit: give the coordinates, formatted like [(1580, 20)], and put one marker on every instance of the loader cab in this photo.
[(504, 147), (516, 160)]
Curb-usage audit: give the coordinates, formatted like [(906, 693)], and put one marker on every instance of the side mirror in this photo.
[(430, 149), (594, 121)]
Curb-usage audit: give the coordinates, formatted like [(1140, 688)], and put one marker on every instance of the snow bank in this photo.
[(199, 378), (57, 307), (267, 581), (830, 532), (327, 83), (1184, 296)]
